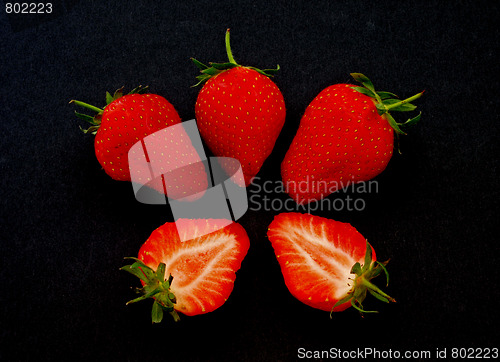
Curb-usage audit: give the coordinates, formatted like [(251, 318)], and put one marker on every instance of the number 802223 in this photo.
[(28, 8)]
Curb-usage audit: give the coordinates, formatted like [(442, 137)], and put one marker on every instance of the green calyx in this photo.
[(213, 69), (156, 287), (362, 285), (387, 102), (95, 121)]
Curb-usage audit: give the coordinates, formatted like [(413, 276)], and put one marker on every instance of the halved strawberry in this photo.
[(326, 264), (195, 276)]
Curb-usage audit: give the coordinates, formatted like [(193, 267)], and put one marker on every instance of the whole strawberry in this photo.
[(346, 135), (239, 112), (128, 119), (125, 120)]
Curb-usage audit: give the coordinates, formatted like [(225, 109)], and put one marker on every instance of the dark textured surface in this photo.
[(65, 226)]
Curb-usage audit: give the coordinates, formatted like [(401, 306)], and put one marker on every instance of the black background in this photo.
[(65, 225)]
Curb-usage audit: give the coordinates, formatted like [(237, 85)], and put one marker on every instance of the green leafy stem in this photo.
[(95, 120), (213, 69), (156, 287), (387, 102), (362, 284)]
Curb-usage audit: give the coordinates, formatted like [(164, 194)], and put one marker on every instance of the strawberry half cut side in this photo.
[(194, 276), (326, 264)]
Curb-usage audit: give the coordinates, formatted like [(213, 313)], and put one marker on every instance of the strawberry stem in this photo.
[(95, 121), (360, 309), (407, 100), (362, 284), (214, 69), (376, 289), (228, 49), (86, 105), (156, 287), (386, 101)]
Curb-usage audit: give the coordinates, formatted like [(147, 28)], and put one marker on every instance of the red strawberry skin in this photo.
[(126, 121), (240, 114), (341, 139), (203, 267), (316, 256), (176, 165)]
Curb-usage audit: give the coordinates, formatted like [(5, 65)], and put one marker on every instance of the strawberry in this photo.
[(345, 135), (240, 112), (129, 119), (326, 264), (195, 276)]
